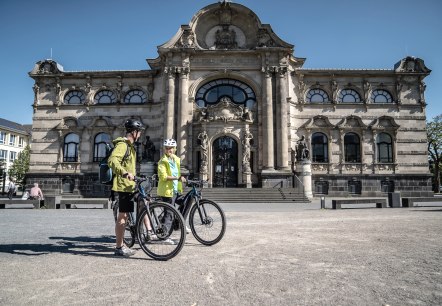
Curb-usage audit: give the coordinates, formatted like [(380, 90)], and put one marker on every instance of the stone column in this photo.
[(170, 103), (282, 135), (268, 160), (375, 152), (183, 111)]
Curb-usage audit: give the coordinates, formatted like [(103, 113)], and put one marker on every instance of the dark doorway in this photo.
[(225, 162)]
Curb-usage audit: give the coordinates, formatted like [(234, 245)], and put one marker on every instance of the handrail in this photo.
[(279, 183)]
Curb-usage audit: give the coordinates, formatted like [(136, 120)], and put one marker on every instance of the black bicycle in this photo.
[(206, 218), (149, 227)]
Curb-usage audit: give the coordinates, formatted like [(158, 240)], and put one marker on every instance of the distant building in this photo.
[(14, 137), (237, 100)]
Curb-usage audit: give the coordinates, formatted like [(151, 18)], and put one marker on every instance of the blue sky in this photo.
[(120, 35)]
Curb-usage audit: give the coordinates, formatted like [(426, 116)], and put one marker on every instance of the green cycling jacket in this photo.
[(165, 187), (120, 166)]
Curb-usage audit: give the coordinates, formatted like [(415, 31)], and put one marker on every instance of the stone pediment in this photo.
[(318, 122), (225, 26), (351, 122), (225, 111), (384, 123)]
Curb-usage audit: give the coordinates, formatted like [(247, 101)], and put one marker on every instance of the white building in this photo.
[(237, 100), (14, 137)]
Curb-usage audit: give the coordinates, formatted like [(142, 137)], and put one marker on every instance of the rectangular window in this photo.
[(12, 139), (2, 137), (12, 156), (21, 142), (3, 155)]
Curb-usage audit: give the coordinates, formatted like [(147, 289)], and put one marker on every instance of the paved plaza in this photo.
[(272, 254)]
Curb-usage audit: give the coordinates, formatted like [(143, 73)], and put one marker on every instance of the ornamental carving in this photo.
[(225, 38), (225, 111), (411, 64), (264, 39)]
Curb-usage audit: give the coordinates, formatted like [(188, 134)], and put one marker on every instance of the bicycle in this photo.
[(150, 213), (206, 218)]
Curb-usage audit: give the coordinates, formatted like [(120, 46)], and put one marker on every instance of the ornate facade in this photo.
[(237, 101)]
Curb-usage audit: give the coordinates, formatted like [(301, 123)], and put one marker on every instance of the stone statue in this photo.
[(149, 150), (246, 151), (302, 152), (247, 115), (204, 144)]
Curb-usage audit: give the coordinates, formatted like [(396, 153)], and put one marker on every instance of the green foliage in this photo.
[(20, 166), (434, 134)]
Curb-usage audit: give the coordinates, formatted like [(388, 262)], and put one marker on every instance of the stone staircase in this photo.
[(262, 195)]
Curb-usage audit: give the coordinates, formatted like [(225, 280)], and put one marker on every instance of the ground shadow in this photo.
[(82, 245)]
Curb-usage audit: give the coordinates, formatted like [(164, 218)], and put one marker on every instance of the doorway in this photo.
[(225, 162)]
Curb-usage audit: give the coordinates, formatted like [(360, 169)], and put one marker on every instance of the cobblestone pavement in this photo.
[(272, 254)]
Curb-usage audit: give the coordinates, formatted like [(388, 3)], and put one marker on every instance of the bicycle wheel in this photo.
[(207, 222), (168, 242), (129, 233)]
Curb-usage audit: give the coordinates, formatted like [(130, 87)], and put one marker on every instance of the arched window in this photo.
[(349, 96), (385, 148), (135, 96), (381, 96), (70, 153), (238, 92), (352, 148), (317, 96), (105, 97), (100, 146), (74, 97), (320, 148)]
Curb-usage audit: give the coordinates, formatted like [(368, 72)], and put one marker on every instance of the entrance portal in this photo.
[(225, 162)]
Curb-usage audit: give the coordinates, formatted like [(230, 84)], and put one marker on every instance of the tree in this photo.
[(434, 134), (20, 166)]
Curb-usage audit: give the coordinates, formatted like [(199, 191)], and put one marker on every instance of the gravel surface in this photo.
[(279, 255)]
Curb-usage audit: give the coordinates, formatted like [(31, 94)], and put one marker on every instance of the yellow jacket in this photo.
[(165, 187), (120, 166)]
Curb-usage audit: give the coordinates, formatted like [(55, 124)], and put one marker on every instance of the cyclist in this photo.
[(170, 179), (123, 183)]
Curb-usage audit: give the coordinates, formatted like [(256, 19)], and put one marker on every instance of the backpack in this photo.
[(105, 175)]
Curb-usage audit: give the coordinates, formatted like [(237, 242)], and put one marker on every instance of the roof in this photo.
[(13, 126)]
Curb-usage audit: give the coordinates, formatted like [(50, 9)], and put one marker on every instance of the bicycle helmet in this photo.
[(133, 125), (169, 143)]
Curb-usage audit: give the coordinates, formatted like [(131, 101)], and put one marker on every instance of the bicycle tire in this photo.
[(208, 227), (158, 249), (129, 233)]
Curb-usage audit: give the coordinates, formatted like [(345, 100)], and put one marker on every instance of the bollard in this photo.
[(322, 202)]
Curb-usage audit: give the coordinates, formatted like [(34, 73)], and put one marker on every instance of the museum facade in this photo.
[(238, 102)]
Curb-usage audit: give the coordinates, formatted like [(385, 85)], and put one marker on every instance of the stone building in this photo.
[(237, 100)]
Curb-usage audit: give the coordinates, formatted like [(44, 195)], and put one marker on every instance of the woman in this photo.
[(169, 174)]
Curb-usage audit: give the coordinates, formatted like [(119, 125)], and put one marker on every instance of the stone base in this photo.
[(147, 168), (276, 178), (247, 180), (304, 173)]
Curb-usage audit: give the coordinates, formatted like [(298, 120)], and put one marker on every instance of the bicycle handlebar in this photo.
[(198, 183)]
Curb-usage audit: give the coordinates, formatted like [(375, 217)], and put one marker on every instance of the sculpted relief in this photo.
[(225, 111)]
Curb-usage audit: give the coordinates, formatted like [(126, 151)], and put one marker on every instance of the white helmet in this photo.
[(169, 143)]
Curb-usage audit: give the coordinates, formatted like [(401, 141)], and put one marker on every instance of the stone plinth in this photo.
[(304, 173)]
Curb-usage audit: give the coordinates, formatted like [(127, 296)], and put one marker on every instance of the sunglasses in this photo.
[(168, 148)]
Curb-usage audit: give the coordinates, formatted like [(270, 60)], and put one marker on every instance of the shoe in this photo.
[(188, 230), (150, 236), (124, 251), (168, 241)]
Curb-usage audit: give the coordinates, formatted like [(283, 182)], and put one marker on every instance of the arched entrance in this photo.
[(225, 162)]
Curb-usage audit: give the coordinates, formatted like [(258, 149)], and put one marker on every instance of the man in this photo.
[(35, 193), (123, 166), (11, 189)]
